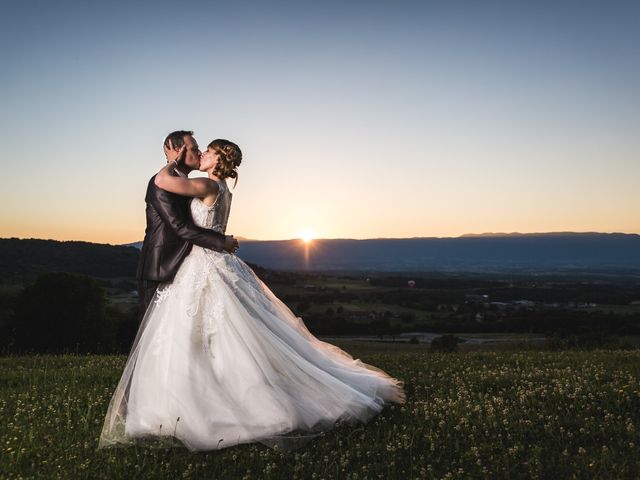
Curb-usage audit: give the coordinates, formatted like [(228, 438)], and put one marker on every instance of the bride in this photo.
[(219, 360)]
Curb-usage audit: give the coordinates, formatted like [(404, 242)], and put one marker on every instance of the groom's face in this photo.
[(192, 152)]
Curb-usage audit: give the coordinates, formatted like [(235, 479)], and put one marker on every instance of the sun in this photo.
[(307, 236)]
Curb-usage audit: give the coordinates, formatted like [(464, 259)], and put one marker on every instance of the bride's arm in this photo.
[(189, 187)]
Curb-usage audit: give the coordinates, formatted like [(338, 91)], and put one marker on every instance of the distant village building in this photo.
[(525, 303), (551, 305), (475, 298), (499, 305)]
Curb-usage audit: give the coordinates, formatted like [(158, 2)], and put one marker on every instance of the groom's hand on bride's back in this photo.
[(231, 244)]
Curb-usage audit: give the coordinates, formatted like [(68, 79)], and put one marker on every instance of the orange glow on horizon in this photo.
[(307, 236)]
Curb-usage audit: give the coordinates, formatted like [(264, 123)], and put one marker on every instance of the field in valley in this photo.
[(473, 414)]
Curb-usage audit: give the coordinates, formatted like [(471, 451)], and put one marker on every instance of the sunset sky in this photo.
[(377, 119)]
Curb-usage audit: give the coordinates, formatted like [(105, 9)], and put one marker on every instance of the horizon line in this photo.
[(464, 235), (486, 234)]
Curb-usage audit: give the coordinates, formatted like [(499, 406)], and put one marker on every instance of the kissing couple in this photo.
[(218, 359)]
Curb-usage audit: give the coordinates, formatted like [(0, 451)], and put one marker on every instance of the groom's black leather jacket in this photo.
[(170, 234)]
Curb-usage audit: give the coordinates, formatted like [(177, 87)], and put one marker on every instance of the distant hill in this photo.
[(472, 253), (475, 253), (24, 258)]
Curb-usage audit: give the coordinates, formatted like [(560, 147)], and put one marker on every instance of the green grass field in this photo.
[(487, 414)]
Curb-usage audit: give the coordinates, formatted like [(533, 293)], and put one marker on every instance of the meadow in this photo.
[(472, 414)]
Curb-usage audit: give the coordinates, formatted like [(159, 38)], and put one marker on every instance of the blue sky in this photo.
[(373, 119)]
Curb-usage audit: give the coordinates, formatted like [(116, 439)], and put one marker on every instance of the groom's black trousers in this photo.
[(146, 292)]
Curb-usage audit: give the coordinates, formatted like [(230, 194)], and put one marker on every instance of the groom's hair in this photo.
[(177, 138)]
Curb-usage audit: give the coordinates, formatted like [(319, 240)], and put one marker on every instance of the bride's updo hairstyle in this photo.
[(230, 159)]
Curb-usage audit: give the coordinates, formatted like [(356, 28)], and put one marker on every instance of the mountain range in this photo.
[(471, 252), (573, 253)]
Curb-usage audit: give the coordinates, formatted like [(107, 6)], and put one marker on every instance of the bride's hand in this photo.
[(231, 244), (172, 154)]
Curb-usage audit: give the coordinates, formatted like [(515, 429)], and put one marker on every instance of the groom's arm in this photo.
[(173, 216)]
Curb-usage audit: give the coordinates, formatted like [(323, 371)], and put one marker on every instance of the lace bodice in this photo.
[(216, 216)]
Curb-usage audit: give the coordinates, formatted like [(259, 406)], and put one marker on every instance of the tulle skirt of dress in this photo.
[(219, 360)]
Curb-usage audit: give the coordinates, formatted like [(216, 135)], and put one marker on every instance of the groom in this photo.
[(170, 231)]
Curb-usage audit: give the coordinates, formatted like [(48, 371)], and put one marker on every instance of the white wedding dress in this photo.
[(219, 360)]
